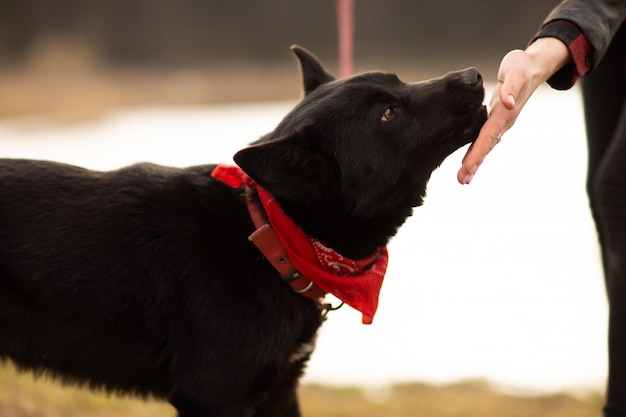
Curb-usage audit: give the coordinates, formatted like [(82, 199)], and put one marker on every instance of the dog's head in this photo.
[(358, 152)]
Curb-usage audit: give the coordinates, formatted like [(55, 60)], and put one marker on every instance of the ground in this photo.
[(21, 395)]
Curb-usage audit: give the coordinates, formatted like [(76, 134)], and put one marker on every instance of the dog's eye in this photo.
[(388, 114)]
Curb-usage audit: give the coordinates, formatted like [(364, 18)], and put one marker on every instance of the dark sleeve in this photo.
[(596, 21)]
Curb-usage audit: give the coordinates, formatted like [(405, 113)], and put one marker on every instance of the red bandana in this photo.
[(355, 282)]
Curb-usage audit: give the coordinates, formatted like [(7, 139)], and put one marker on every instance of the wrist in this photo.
[(548, 55)]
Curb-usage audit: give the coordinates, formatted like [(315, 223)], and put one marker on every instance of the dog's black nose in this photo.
[(471, 76)]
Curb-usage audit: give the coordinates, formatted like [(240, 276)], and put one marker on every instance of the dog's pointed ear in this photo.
[(313, 72), (287, 168)]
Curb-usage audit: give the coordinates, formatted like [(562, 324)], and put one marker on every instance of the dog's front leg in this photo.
[(283, 399), (283, 404), (190, 408)]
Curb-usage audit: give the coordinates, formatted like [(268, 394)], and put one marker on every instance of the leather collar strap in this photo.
[(265, 239), (296, 255)]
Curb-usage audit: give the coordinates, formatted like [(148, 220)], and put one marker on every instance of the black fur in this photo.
[(142, 280)]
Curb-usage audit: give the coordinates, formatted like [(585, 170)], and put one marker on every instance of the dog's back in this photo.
[(124, 280)]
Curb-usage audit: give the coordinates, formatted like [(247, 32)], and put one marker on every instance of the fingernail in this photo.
[(511, 100), (470, 175)]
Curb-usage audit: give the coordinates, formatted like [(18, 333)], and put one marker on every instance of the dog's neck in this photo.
[(269, 244), (355, 282), (351, 235)]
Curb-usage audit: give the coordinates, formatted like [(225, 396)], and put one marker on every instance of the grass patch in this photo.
[(21, 395), (463, 399)]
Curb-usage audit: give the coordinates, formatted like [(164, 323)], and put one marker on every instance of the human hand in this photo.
[(511, 93), (519, 75)]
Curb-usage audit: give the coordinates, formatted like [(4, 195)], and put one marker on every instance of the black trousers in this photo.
[(604, 94)]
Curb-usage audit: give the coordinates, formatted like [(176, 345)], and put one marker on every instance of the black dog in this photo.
[(143, 281)]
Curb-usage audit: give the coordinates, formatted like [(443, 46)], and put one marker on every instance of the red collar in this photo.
[(309, 266)]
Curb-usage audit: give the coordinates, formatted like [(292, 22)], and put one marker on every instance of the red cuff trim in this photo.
[(580, 48)]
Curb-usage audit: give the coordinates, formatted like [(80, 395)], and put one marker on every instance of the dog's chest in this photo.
[(303, 352)]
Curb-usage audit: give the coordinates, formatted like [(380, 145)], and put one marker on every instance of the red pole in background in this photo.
[(345, 30)]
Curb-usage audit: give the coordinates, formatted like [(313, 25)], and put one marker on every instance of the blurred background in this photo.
[(493, 302), (82, 56)]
